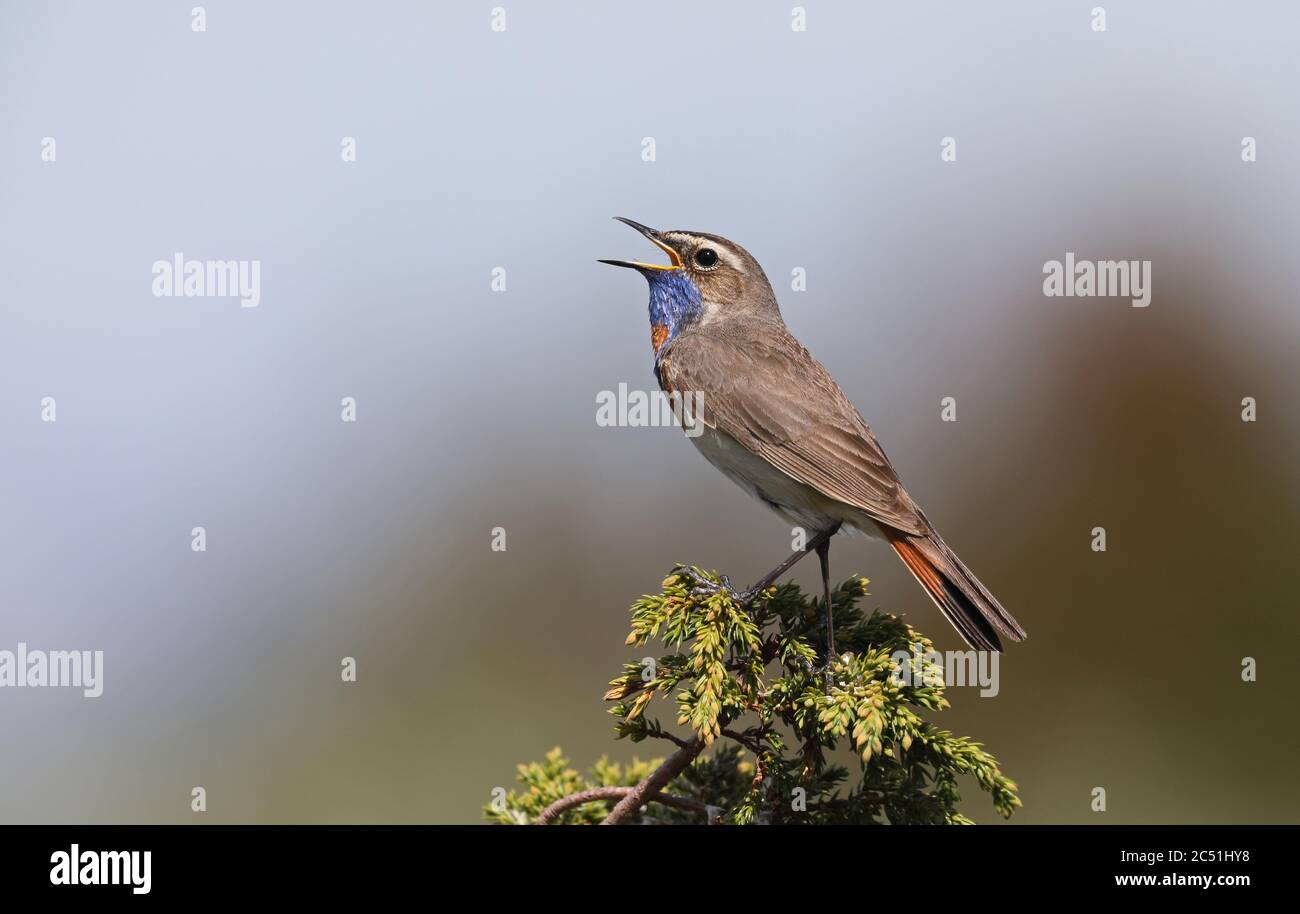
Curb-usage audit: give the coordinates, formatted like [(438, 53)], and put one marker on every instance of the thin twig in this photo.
[(672, 738), (744, 740)]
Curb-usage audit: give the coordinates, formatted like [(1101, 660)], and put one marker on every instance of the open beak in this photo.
[(659, 242)]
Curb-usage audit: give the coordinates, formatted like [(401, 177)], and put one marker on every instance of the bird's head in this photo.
[(707, 278)]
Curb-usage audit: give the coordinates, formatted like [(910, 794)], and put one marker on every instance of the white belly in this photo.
[(799, 504)]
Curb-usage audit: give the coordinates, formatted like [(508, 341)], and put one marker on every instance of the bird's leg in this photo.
[(824, 554), (814, 544), (746, 597)]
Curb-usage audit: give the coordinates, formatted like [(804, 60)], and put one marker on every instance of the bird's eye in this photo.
[(706, 257)]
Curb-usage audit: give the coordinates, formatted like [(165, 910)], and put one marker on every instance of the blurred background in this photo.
[(479, 149)]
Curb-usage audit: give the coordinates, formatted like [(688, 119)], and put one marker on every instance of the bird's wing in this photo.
[(761, 387)]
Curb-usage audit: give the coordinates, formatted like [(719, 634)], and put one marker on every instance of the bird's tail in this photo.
[(963, 600)]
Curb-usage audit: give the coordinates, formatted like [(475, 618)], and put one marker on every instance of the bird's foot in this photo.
[(827, 671), (709, 589)]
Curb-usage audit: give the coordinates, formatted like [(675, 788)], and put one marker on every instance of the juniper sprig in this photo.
[(747, 683)]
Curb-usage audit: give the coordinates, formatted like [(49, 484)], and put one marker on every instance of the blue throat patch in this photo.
[(674, 302)]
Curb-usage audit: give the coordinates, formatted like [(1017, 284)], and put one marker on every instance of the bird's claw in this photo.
[(827, 671), (828, 674), (709, 589)]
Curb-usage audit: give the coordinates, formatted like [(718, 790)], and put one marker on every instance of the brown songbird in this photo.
[(777, 424)]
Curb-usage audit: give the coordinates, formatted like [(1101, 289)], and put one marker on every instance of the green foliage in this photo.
[(545, 782), (749, 682)]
